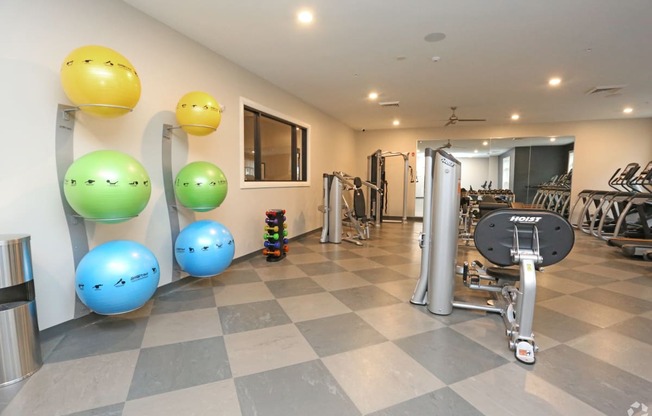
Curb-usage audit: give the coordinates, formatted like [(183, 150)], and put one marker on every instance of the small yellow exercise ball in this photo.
[(100, 81), (198, 113)]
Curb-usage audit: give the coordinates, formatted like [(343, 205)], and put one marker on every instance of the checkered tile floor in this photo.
[(329, 331)]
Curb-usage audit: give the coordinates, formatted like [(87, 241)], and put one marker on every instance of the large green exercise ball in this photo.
[(107, 186), (201, 186)]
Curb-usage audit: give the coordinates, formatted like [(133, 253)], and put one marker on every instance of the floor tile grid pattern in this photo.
[(330, 331)]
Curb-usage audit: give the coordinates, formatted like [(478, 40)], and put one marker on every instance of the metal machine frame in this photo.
[(333, 207), (375, 163), (529, 238)]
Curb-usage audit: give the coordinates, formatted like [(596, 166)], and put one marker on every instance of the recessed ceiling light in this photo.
[(396, 122), (373, 95), (475, 150), (515, 116), (628, 110), (485, 143), (552, 139), (305, 16), (554, 82)]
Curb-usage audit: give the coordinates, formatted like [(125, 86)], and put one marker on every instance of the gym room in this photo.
[(325, 208)]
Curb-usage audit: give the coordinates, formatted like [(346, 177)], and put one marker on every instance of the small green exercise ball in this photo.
[(200, 186), (107, 186)]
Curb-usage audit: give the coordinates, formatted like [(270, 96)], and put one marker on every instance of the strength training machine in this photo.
[(376, 163), (529, 238), (337, 211)]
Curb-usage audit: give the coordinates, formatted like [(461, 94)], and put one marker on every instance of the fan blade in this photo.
[(472, 119), (449, 123)]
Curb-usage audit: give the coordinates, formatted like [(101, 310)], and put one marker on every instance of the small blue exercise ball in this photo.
[(204, 248), (117, 277)]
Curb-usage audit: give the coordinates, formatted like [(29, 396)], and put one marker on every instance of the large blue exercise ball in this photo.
[(117, 277), (204, 248)]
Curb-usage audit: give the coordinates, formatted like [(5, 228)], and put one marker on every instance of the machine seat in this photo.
[(504, 273)]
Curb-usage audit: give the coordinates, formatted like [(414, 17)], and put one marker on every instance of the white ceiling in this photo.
[(496, 58)]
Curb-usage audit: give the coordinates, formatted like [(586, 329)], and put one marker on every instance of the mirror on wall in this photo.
[(518, 164)]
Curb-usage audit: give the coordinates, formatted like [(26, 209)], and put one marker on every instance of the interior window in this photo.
[(274, 148)]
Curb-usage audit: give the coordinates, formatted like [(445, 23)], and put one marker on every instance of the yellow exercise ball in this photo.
[(100, 81), (198, 113)]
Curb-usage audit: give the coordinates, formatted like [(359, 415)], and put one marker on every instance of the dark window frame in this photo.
[(298, 150)]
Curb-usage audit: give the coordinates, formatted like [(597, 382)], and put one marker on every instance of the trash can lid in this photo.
[(11, 239)]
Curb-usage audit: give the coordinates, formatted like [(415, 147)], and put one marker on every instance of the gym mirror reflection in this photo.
[(517, 164)]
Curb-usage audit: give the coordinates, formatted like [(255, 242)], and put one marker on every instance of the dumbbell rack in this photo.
[(276, 242)]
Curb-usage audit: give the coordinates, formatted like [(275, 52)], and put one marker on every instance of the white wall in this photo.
[(600, 146), (38, 34), (36, 37)]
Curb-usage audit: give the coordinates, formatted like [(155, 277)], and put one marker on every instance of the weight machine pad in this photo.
[(504, 273), (494, 235)]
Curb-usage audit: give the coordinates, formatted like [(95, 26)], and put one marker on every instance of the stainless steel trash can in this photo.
[(20, 348)]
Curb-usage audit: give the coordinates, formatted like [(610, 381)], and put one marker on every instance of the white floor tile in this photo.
[(182, 326), (584, 310), (380, 376), (510, 390), (399, 320), (212, 399), (76, 385), (266, 349)]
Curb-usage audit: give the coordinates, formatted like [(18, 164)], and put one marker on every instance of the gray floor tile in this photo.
[(339, 333), (390, 260), (643, 280), (298, 249), (456, 317), (10, 391), (364, 297), (324, 267), (584, 277), (450, 356), (545, 293), (569, 263), (380, 275), (443, 402), (340, 255), (559, 326), (293, 287), (184, 300), (234, 277), (603, 386), (302, 389), (112, 334), (176, 366), (112, 410), (248, 316), (615, 300), (637, 328), (630, 265)]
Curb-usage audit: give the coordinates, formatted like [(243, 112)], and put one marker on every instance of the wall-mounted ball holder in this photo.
[(64, 154), (276, 241)]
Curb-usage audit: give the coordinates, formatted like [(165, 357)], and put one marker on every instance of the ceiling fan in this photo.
[(453, 119)]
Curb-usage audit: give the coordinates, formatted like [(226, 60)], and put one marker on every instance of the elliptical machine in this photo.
[(529, 238)]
